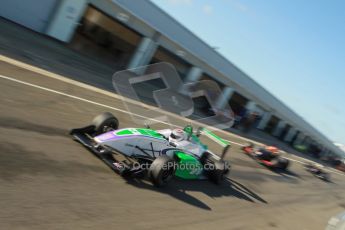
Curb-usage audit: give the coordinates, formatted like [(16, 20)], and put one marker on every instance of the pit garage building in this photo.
[(131, 33)]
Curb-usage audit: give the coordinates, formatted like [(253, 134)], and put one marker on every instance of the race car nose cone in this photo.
[(105, 137)]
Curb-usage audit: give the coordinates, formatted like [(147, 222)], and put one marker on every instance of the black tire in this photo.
[(162, 170), (105, 122), (205, 157), (215, 170), (282, 163), (218, 172)]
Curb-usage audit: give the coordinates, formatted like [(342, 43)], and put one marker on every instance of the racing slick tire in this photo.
[(162, 170), (105, 122), (281, 163), (215, 170), (218, 172)]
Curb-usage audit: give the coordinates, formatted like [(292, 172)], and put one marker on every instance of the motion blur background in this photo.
[(293, 52), (279, 65)]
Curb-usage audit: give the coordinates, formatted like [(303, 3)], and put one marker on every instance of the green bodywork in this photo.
[(188, 167), (189, 129), (216, 138), (145, 132)]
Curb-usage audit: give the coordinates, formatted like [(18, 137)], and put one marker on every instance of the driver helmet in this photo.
[(272, 149), (188, 129), (178, 134)]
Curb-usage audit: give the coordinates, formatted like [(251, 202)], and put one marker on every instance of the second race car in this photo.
[(268, 156)]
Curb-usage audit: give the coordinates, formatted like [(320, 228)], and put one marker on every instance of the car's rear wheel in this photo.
[(214, 169), (162, 170), (281, 163), (217, 174), (105, 122)]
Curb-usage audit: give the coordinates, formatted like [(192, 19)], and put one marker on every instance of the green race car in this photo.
[(158, 154)]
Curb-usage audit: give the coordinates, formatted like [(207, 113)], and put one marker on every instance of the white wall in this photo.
[(66, 19), (34, 14)]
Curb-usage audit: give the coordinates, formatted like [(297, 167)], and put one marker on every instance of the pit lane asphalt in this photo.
[(49, 181)]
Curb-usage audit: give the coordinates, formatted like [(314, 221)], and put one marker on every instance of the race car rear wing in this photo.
[(224, 143)]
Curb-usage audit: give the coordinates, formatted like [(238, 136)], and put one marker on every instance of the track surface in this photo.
[(49, 181)]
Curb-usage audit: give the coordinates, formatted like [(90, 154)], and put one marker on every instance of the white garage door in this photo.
[(33, 14)]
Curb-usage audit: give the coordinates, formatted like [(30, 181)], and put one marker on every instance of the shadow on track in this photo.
[(179, 190), (286, 173), (45, 129)]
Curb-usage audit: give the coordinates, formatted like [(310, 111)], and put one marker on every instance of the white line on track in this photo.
[(128, 112), (107, 93), (89, 101), (77, 98)]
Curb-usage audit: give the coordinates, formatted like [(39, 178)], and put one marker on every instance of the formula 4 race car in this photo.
[(158, 154), (267, 156), (317, 171)]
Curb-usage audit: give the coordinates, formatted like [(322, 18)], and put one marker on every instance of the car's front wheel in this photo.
[(105, 122), (162, 170)]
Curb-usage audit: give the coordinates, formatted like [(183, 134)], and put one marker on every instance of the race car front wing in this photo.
[(83, 136)]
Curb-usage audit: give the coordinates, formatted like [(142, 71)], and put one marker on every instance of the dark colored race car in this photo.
[(268, 156), (317, 171)]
